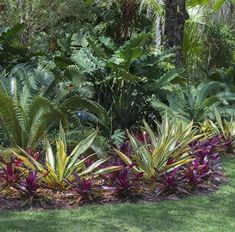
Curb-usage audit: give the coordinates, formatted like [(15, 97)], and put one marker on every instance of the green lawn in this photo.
[(214, 213)]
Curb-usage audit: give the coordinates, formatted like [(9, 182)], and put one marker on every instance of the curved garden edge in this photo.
[(66, 203), (214, 212)]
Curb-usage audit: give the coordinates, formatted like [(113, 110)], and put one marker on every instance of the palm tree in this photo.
[(175, 16)]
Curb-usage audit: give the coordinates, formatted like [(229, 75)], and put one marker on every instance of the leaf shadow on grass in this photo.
[(183, 215), (51, 221)]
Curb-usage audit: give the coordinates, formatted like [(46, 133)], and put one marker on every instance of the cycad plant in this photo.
[(32, 101), (162, 151), (197, 103)]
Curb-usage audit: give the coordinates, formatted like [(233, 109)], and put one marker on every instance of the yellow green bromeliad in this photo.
[(61, 166), (226, 128), (167, 149)]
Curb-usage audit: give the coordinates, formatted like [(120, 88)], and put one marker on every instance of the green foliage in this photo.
[(208, 41), (121, 20), (33, 101), (12, 51), (215, 4), (225, 76), (124, 78), (221, 127), (166, 150), (60, 166), (25, 116), (197, 103), (156, 6), (45, 20), (220, 46), (76, 132)]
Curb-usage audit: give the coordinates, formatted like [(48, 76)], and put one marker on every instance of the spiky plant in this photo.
[(197, 103), (161, 152), (32, 102), (60, 166)]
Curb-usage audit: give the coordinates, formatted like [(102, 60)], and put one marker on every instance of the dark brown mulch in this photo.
[(51, 199)]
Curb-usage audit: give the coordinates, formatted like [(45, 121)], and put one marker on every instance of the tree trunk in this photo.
[(159, 22), (175, 18)]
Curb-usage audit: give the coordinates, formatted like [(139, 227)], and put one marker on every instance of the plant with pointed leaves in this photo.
[(223, 129), (8, 173), (197, 103), (168, 149), (31, 103), (82, 186), (61, 166)]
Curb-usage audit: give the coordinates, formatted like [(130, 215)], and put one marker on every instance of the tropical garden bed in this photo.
[(177, 161), (107, 103)]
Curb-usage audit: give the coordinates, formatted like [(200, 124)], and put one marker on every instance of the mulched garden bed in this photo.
[(49, 199)]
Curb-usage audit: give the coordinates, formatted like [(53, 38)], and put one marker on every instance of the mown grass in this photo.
[(197, 214)]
